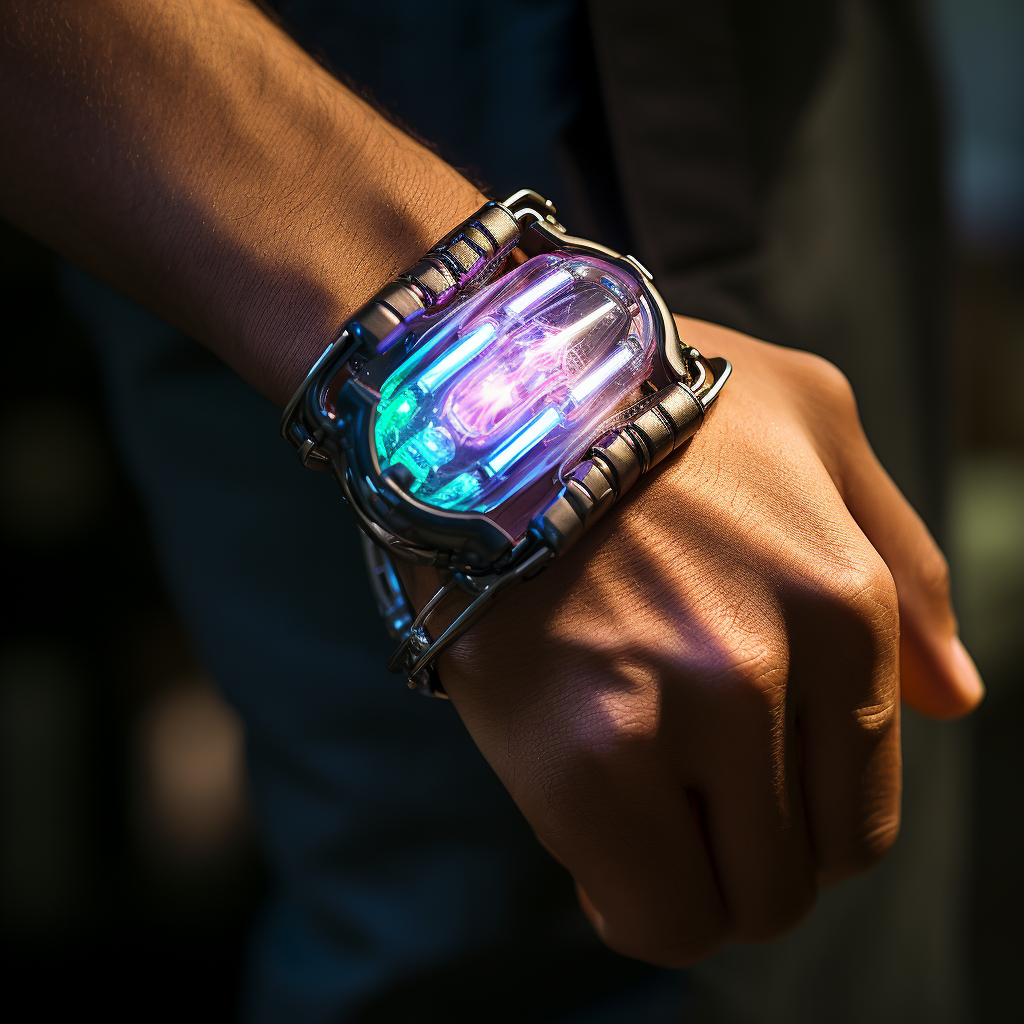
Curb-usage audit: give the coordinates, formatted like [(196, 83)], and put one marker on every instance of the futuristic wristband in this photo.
[(484, 409)]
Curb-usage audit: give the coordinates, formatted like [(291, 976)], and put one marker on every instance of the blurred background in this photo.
[(127, 849), (128, 868), (979, 50)]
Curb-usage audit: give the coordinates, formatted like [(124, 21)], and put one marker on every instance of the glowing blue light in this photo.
[(469, 348), (600, 375), (521, 443), (440, 334), (547, 286)]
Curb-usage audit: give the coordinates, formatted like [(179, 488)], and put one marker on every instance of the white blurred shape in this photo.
[(193, 790)]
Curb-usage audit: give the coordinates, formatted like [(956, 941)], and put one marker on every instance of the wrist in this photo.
[(356, 241)]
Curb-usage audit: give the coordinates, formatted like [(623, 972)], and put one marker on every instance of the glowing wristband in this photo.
[(483, 410)]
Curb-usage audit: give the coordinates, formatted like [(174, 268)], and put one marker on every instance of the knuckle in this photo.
[(834, 385), (759, 677), (878, 837), (877, 719), (829, 382), (863, 586), (867, 830), (861, 617), (870, 599), (618, 728), (865, 849)]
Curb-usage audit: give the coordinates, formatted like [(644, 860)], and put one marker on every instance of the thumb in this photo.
[(938, 677)]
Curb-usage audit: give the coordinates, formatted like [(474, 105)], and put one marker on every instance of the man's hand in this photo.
[(698, 708)]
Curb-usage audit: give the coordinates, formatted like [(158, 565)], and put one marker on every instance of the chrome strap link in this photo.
[(463, 259)]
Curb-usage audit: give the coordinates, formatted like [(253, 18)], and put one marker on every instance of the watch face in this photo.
[(481, 407)]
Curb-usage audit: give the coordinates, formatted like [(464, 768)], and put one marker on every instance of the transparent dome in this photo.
[(493, 397)]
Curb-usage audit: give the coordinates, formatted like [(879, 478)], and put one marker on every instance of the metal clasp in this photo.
[(529, 204)]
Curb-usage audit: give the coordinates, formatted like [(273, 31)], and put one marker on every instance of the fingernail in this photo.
[(967, 672)]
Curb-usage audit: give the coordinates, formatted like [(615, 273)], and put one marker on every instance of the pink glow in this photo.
[(523, 376), (532, 367)]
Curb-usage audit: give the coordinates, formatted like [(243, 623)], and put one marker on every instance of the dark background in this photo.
[(129, 874), (128, 869)]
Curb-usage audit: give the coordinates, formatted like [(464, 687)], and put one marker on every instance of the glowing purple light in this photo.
[(512, 381)]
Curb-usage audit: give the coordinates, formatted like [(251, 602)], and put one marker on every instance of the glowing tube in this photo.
[(495, 394), (480, 404), (581, 326), (398, 376), (550, 284), (599, 376), (469, 348), (521, 443)]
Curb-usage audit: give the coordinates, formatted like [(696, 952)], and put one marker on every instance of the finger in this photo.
[(844, 668), (939, 678), (753, 807), (647, 884), (602, 797)]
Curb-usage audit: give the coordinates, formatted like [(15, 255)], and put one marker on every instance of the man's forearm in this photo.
[(192, 155)]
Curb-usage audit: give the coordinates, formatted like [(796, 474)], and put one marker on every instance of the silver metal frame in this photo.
[(470, 551)]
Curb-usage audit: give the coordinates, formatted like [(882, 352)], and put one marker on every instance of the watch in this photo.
[(485, 408)]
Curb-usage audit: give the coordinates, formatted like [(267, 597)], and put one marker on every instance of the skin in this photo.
[(697, 709)]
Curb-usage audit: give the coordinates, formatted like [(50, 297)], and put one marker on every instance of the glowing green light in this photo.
[(407, 457), (458, 492), (425, 453), (392, 419)]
